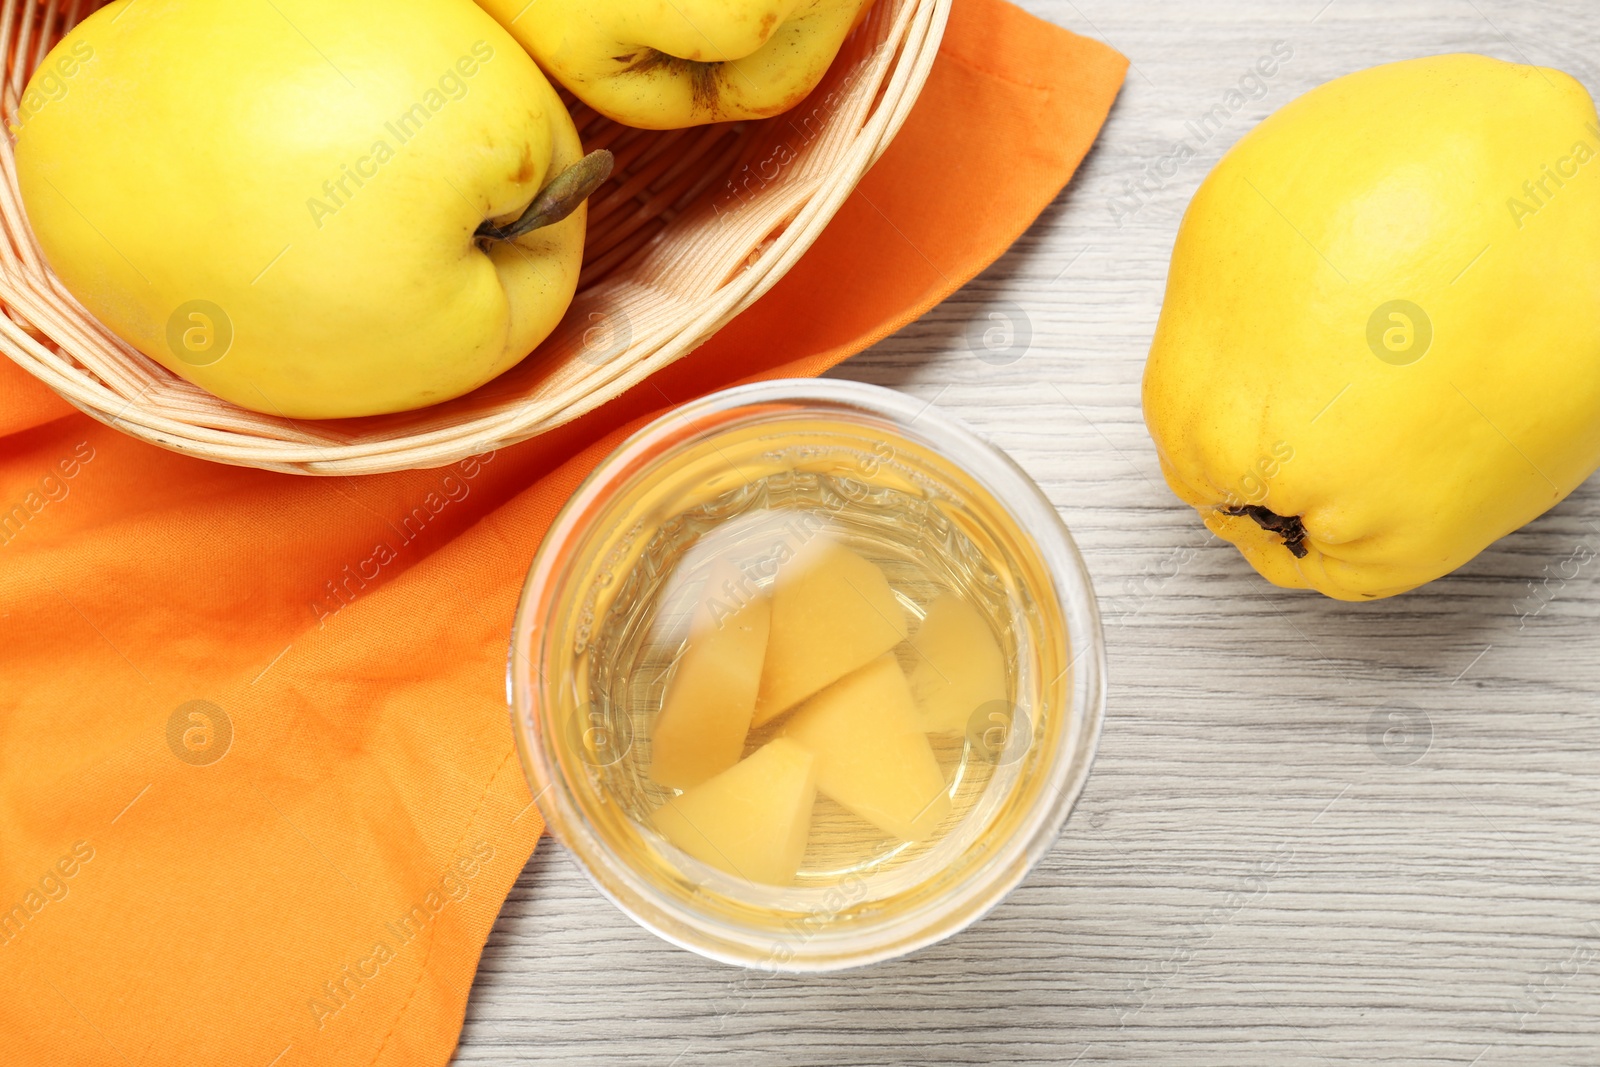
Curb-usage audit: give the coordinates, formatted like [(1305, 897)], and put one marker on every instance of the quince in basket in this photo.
[(313, 210), (664, 66)]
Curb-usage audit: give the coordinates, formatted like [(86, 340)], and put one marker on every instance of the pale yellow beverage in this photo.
[(804, 684)]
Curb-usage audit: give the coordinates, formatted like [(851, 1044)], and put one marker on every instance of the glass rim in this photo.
[(1011, 490)]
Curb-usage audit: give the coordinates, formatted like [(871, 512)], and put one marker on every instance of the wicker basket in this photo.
[(693, 227)]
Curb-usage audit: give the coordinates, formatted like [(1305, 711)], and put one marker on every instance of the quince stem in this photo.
[(1291, 529), (556, 200)]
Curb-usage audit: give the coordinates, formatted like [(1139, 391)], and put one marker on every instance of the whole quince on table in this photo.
[(664, 66), (1380, 346), (309, 209)]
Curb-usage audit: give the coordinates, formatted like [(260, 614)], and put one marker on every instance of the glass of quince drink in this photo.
[(806, 675)]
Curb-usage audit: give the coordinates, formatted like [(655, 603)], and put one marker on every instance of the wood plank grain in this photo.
[(1442, 911)]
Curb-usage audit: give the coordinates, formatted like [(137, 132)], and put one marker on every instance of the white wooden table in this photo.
[(1250, 877)]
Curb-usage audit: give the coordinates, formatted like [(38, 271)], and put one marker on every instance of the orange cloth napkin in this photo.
[(258, 800)]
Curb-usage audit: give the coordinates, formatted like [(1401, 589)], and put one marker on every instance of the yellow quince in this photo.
[(311, 208), (663, 66), (1379, 350)]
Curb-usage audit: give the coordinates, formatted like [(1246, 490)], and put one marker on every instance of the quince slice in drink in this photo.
[(959, 666), (712, 694), (832, 613), (752, 820), (872, 756)]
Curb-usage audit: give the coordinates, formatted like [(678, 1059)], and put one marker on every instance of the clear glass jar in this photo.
[(600, 627)]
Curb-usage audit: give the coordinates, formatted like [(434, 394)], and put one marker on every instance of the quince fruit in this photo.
[(311, 209), (706, 711), (1379, 350), (664, 66)]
